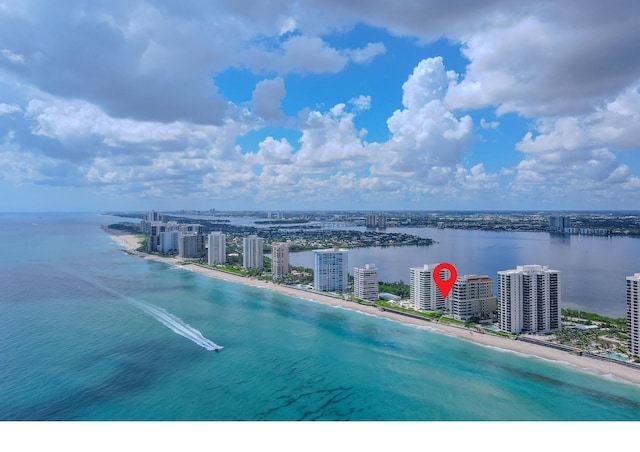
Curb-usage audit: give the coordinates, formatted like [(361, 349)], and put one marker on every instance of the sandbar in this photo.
[(603, 368)]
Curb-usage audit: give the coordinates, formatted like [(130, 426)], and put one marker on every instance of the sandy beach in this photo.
[(586, 363)]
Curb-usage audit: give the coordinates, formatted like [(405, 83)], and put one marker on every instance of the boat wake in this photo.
[(175, 324), (169, 320)]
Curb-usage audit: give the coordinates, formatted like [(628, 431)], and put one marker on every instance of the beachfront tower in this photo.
[(425, 295), (188, 245), (365, 282), (279, 259), (330, 271), (529, 298), (217, 248), (252, 257), (633, 314), (472, 297)]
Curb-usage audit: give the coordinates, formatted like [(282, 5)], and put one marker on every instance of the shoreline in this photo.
[(506, 345)]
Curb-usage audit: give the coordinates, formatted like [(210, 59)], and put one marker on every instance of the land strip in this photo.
[(610, 369)]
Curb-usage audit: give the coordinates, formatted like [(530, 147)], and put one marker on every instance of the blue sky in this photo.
[(132, 105)]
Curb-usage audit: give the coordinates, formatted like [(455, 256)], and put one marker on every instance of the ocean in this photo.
[(90, 333)]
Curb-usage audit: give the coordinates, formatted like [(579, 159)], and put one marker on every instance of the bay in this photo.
[(593, 269)]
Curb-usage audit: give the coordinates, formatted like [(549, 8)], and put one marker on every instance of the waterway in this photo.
[(592, 269)]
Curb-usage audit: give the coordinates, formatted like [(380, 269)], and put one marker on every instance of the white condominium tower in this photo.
[(217, 248), (279, 259), (330, 271), (472, 296), (252, 252), (529, 299), (365, 282), (633, 312), (425, 295)]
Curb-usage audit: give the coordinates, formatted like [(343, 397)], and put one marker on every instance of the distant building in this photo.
[(279, 259), (472, 297), (376, 221), (217, 253), (529, 298), (330, 268), (633, 314), (188, 245), (252, 254), (152, 216), (169, 242), (365, 282), (425, 295), (558, 223)]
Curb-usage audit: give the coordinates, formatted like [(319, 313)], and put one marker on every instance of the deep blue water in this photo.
[(89, 333)]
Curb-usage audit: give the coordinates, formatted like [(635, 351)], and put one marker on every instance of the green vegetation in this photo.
[(427, 315), (396, 288), (605, 334), (588, 318), (230, 269), (500, 333)]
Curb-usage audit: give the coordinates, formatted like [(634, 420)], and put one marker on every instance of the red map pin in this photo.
[(445, 285)]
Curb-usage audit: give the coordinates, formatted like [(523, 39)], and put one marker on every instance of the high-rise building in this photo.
[(188, 245), (152, 216), (169, 242), (378, 221), (633, 315), (529, 298), (279, 259), (365, 282), (252, 254), (217, 248), (330, 270), (558, 223), (472, 297), (425, 295)]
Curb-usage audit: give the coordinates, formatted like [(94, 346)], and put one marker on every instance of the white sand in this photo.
[(610, 369)]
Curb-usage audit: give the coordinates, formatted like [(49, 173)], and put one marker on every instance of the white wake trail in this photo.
[(174, 323)]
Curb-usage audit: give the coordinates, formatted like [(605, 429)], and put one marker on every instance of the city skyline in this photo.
[(322, 106)]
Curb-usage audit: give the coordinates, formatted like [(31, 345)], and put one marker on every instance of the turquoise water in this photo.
[(90, 333), (616, 356)]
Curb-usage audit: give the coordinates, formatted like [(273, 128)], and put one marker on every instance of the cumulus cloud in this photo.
[(552, 64), (266, 99), (272, 151), (121, 97), (426, 136), (330, 140)]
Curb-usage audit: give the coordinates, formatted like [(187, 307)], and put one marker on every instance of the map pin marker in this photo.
[(445, 285)]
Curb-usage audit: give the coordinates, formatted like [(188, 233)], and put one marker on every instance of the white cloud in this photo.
[(134, 108), (272, 151), (287, 25), (426, 137), (361, 103), (67, 120), (6, 109), (551, 64), (368, 53), (489, 124), (330, 140), (266, 99), (12, 57)]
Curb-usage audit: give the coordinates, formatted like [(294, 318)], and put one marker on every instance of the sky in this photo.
[(319, 105)]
